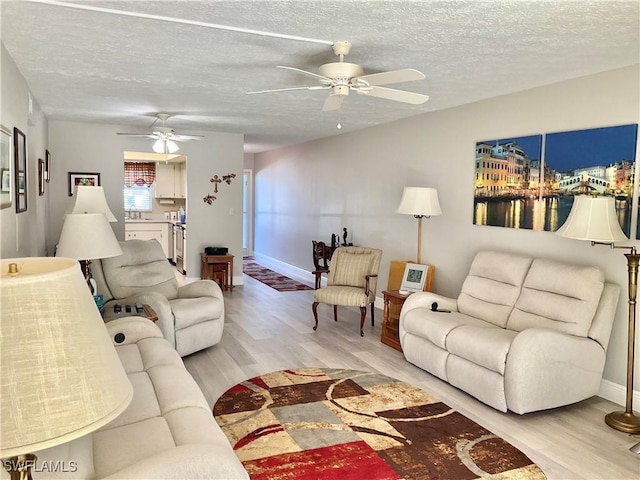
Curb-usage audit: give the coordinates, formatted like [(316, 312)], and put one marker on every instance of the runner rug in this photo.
[(275, 280), (331, 424)]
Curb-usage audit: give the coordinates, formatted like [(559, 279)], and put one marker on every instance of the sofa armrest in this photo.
[(546, 369), (160, 305), (133, 328), (194, 461), (425, 300), (200, 288)]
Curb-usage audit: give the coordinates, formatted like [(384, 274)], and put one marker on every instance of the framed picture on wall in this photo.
[(47, 165), (86, 179), (41, 177), (20, 169), (6, 167)]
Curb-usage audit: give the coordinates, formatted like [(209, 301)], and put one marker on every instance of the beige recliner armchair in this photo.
[(191, 317)]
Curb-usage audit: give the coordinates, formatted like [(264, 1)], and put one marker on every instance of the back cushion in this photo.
[(349, 268), (142, 267), (559, 297), (492, 287)]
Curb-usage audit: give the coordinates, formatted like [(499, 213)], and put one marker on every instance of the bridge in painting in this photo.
[(583, 182)]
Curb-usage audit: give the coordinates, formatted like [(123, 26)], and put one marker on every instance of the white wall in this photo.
[(356, 180), (89, 147), (23, 234)]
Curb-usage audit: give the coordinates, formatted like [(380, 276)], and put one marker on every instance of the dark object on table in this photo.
[(216, 250)]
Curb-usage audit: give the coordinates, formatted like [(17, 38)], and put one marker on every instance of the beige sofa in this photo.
[(167, 432), (190, 316), (524, 334)]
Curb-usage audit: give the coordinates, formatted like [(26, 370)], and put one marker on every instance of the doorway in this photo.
[(247, 213)]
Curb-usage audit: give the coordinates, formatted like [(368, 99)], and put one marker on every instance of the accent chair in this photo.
[(353, 279)]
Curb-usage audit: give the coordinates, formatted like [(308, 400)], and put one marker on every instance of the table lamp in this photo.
[(60, 376), (421, 202), (594, 219), (86, 237), (90, 199)]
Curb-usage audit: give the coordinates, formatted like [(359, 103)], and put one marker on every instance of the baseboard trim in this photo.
[(617, 393)]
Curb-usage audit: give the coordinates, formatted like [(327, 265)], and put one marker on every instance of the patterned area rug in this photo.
[(275, 280), (318, 423)]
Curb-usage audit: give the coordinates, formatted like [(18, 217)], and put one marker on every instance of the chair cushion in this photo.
[(492, 287), (341, 295), (142, 267), (436, 326), (484, 346), (191, 311), (350, 268), (558, 296)]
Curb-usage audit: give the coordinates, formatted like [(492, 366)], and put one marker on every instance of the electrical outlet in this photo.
[(231, 211)]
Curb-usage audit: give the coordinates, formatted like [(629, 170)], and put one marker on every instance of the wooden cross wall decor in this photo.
[(216, 180)]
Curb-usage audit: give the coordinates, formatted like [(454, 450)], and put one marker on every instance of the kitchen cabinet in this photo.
[(171, 180), (161, 231)]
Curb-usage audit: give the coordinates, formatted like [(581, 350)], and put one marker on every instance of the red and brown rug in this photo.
[(333, 424), (275, 280)]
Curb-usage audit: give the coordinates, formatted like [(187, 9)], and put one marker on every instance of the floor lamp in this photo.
[(421, 202), (594, 219), (60, 376)]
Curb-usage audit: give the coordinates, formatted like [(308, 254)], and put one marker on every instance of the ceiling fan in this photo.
[(165, 137), (342, 77)]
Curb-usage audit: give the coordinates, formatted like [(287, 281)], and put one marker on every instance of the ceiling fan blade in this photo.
[(314, 87), (393, 94), (333, 102), (185, 138), (148, 135), (394, 76), (322, 78)]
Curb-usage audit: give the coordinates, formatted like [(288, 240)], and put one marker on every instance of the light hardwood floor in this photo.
[(266, 330)]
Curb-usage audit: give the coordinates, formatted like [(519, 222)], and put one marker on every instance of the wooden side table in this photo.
[(218, 268), (393, 302)]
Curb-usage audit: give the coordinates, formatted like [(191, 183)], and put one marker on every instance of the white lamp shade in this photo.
[(87, 199), (60, 376), (420, 201), (594, 219), (87, 236)]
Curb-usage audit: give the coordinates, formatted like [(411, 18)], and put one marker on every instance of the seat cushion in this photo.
[(492, 287), (559, 297), (486, 347), (436, 326), (191, 311), (341, 295)]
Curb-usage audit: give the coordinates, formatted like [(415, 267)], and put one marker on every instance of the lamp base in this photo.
[(623, 421), (19, 467)]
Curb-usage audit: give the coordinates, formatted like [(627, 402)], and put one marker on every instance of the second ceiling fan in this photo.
[(165, 137), (342, 77)]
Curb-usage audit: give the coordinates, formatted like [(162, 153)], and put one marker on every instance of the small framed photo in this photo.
[(41, 176), (413, 278), (47, 165), (85, 179)]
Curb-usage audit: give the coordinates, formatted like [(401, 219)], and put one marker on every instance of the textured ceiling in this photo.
[(109, 68)]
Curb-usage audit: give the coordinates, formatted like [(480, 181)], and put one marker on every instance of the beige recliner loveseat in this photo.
[(524, 334), (190, 316)]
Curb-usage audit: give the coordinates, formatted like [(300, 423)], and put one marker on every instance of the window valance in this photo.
[(139, 173)]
